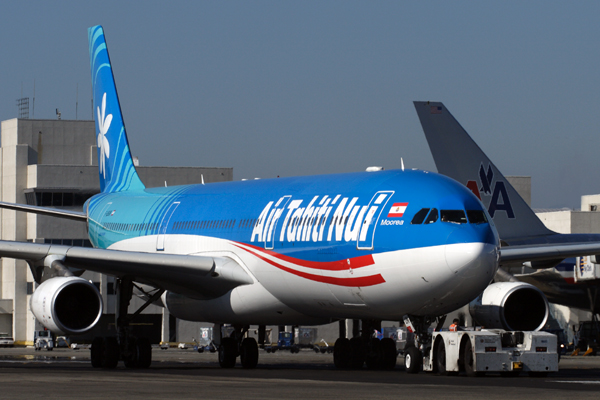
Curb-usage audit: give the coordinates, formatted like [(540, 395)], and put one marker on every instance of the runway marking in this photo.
[(583, 382)]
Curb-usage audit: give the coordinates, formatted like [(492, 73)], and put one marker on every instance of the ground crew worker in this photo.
[(454, 326)]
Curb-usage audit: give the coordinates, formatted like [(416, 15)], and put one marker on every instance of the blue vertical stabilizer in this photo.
[(115, 164)]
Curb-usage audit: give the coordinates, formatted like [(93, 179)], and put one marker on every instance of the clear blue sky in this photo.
[(295, 88)]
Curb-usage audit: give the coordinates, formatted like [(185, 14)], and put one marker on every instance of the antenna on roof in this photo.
[(402, 163), (202, 177)]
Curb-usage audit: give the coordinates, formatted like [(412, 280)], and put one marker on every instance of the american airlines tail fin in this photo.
[(117, 172), (458, 156)]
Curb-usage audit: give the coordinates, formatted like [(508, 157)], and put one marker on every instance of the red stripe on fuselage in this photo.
[(339, 265), (370, 280)]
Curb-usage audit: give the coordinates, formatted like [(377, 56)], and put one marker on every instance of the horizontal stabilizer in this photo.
[(52, 212)]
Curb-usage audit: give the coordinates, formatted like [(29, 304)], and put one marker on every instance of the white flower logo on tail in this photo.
[(104, 124)]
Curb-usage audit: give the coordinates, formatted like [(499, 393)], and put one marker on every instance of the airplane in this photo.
[(385, 245), (456, 155)]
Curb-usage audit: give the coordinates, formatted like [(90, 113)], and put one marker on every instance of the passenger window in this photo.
[(454, 216), (420, 216), (476, 216), (432, 217)]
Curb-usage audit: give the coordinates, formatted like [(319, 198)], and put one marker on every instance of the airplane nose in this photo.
[(471, 258)]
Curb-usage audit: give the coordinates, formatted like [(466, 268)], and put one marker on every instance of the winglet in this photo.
[(458, 156), (116, 168)]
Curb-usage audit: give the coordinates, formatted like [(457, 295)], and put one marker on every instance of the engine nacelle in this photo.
[(512, 306), (68, 305)]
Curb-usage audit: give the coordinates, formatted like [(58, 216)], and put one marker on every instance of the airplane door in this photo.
[(99, 222), (369, 222), (271, 226), (160, 241)]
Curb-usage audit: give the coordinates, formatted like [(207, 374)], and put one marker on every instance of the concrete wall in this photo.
[(590, 202), (157, 176), (558, 221), (568, 221), (522, 185), (53, 141)]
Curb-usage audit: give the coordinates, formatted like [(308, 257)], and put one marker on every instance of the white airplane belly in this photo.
[(429, 280)]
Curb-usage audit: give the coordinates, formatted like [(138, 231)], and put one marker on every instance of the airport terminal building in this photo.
[(53, 163)]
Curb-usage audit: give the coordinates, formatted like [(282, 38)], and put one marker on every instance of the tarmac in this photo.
[(183, 374)]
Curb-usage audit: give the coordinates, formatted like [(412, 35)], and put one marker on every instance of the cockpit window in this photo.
[(476, 216), (432, 217), (454, 216), (420, 216)]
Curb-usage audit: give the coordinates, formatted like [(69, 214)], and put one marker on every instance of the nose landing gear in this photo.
[(413, 354)]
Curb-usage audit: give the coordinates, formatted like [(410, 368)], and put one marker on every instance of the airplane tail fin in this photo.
[(115, 164), (458, 156)]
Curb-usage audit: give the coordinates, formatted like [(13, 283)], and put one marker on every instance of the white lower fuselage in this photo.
[(419, 281)]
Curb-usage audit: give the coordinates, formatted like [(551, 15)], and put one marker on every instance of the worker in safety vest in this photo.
[(454, 326)]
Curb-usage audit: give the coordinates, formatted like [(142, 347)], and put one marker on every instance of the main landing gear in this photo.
[(364, 349), (237, 345), (135, 352)]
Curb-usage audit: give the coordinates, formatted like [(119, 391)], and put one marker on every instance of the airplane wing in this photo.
[(53, 212), (196, 276), (558, 252), (557, 290)]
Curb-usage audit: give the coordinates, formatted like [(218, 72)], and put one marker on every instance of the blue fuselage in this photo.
[(317, 218)]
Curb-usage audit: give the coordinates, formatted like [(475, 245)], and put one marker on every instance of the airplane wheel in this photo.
[(227, 353), (359, 353), (131, 360), (142, 354), (96, 352), (110, 353), (389, 353), (413, 360), (342, 353), (374, 354), (440, 358), (249, 353)]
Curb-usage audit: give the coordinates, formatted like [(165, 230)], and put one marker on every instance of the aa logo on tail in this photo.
[(495, 196)]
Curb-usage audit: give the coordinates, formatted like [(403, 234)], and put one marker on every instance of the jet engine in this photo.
[(68, 305), (512, 306)]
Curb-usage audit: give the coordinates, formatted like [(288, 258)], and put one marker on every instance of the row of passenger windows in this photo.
[(248, 223), (431, 215), (131, 227), (214, 224), (425, 215), (181, 225)]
